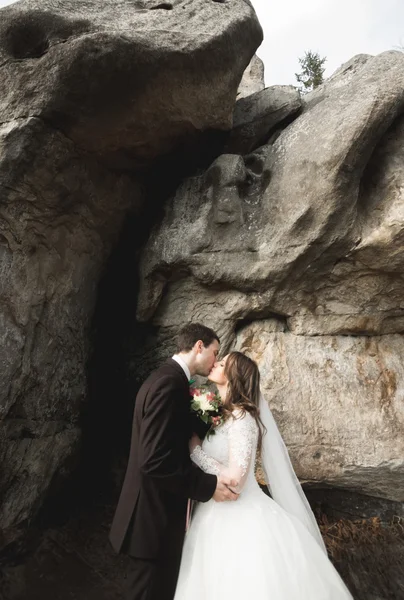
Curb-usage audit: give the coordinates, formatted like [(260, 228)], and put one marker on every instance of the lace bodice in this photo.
[(231, 451)]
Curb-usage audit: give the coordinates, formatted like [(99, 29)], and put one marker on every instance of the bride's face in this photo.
[(217, 373)]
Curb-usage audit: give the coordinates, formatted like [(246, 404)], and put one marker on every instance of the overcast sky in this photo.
[(337, 29)]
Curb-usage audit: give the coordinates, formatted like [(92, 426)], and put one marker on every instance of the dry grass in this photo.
[(361, 532), (369, 555)]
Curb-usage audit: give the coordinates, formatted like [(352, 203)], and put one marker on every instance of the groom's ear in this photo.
[(199, 346)]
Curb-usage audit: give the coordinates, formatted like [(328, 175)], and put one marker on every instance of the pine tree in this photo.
[(312, 71)]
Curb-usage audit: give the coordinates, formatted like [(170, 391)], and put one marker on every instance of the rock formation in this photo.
[(290, 244), (295, 252), (253, 79)]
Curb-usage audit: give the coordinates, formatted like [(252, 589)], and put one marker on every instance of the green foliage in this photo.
[(312, 74)]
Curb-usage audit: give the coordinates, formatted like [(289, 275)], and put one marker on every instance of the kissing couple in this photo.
[(240, 543)]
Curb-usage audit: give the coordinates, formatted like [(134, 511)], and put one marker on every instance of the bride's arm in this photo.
[(242, 436), (206, 462)]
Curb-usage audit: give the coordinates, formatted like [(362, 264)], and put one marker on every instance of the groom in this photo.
[(149, 522)]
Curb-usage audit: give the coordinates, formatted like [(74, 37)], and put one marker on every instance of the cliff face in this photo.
[(294, 253)]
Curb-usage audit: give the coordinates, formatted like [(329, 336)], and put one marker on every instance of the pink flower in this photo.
[(196, 392), (210, 397)]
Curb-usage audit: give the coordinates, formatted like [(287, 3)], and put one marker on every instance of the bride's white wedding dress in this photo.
[(250, 548)]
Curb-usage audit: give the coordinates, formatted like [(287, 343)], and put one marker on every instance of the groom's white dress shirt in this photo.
[(182, 364)]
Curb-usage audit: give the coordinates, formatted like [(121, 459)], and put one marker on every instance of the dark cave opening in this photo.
[(115, 338)]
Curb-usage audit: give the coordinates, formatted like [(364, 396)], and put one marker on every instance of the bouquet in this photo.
[(207, 406)]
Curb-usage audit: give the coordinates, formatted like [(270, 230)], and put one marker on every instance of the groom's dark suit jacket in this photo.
[(160, 476)]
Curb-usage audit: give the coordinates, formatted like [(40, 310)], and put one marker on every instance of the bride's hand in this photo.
[(194, 441)]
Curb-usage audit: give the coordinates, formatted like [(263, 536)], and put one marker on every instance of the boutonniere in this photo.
[(208, 407)]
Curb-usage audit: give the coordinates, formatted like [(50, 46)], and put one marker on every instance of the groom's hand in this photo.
[(223, 491)]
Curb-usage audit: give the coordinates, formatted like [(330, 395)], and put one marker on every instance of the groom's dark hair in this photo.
[(192, 333)]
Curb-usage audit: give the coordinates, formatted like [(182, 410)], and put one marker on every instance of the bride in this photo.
[(269, 549)]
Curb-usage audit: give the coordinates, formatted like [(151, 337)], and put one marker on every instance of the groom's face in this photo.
[(206, 358)]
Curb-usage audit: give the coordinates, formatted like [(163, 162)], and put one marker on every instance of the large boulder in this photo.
[(125, 80), (253, 80), (258, 116), (90, 91)]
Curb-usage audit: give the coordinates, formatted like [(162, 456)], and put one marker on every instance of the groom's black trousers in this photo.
[(157, 579)]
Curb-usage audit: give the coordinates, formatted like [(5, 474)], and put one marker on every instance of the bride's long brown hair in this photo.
[(243, 390)]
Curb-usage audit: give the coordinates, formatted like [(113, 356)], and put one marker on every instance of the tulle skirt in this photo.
[(252, 549)]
